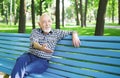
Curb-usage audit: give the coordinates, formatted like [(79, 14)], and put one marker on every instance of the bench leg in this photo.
[(6, 76)]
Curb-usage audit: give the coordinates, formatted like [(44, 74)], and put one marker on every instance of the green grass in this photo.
[(81, 31)]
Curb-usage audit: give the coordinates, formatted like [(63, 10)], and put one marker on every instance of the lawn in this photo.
[(81, 31)]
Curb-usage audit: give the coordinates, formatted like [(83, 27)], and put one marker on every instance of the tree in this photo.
[(85, 14), (41, 2), (11, 11), (42, 6), (113, 10), (76, 12), (33, 14), (119, 12), (22, 17), (99, 30), (5, 9), (81, 13), (17, 14), (63, 13), (57, 13)]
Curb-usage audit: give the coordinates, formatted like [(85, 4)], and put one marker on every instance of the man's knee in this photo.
[(23, 58)]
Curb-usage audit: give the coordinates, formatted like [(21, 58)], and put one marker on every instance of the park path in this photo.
[(106, 26)]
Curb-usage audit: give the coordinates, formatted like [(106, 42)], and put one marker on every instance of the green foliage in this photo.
[(110, 9), (70, 12), (1, 1), (45, 5)]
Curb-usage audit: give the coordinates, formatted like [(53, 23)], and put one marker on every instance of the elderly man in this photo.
[(43, 42)]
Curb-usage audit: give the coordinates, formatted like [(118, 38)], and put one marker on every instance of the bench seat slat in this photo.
[(14, 47), (12, 52), (87, 65), (65, 74), (14, 39), (97, 38), (100, 52), (98, 59), (8, 55), (39, 76), (101, 38), (14, 43), (7, 61), (90, 44), (82, 71), (7, 71), (9, 67), (14, 34), (52, 75)]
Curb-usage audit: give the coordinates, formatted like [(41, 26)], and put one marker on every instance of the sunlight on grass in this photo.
[(81, 31), (7, 28)]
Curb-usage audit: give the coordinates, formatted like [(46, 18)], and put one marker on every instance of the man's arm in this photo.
[(75, 39), (43, 47)]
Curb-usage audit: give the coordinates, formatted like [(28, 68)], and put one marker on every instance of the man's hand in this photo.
[(43, 47), (75, 39)]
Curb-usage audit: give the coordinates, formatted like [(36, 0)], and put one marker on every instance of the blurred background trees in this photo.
[(63, 12)]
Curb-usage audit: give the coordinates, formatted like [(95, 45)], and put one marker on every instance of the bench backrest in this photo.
[(98, 56)]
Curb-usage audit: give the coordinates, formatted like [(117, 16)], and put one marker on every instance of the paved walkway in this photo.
[(116, 27), (107, 26), (91, 25)]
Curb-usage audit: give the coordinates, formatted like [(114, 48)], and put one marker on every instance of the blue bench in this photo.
[(98, 56)]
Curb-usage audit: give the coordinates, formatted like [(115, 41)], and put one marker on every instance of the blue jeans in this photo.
[(27, 64)]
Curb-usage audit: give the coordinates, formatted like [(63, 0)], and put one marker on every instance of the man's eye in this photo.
[(43, 22), (49, 21)]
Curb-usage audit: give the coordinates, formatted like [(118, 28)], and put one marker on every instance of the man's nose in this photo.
[(47, 23)]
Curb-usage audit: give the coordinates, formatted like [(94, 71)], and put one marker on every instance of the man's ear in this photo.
[(39, 23)]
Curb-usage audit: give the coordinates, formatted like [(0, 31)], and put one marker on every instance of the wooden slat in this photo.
[(14, 47), (12, 52), (105, 60), (14, 38), (90, 51), (97, 38), (65, 74), (82, 71), (103, 45), (44, 75), (15, 34), (88, 65), (15, 43), (7, 71)]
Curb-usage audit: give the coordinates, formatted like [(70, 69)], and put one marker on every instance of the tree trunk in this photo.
[(41, 1), (57, 14), (85, 14), (33, 14), (40, 7), (99, 30), (77, 13), (119, 12), (63, 13), (16, 16), (6, 16), (14, 13), (22, 17), (11, 12), (81, 13), (113, 9)]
